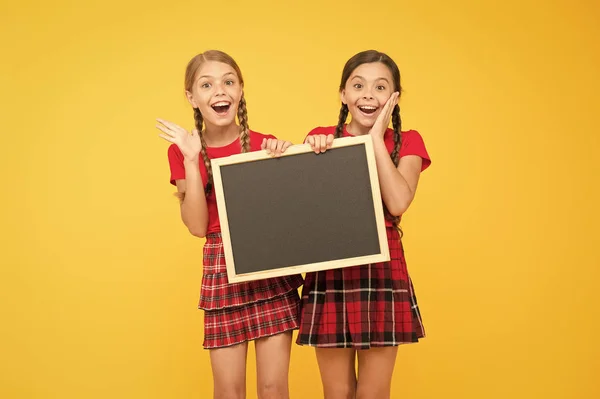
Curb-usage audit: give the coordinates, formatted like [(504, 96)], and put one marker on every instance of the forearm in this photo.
[(194, 210), (395, 190)]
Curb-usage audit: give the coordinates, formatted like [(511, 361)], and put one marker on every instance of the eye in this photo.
[(380, 87), (358, 86), (229, 82), (205, 85)]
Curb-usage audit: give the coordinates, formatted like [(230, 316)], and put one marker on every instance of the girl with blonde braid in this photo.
[(263, 311)]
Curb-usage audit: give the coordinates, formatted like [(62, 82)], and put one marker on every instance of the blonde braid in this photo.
[(199, 122), (244, 130)]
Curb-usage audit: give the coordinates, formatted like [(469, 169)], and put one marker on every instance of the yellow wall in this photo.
[(100, 280)]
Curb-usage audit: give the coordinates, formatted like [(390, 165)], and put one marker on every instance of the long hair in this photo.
[(190, 74), (367, 57)]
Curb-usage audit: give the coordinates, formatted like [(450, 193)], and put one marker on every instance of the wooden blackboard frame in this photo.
[(383, 254)]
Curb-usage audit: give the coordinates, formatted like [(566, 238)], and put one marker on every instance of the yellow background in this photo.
[(99, 278)]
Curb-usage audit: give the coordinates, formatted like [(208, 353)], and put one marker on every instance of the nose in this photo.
[(219, 90)]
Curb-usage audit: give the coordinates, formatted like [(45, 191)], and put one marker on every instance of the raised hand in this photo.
[(383, 119), (189, 143)]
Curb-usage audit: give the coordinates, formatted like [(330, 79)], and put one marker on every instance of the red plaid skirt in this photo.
[(245, 311), (361, 306)]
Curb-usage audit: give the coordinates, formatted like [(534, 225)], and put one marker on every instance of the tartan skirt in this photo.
[(239, 312), (361, 306)]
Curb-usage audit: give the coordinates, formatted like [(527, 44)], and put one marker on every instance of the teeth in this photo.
[(367, 107), (221, 104)]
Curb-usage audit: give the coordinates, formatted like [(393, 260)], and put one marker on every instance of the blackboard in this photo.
[(300, 212)]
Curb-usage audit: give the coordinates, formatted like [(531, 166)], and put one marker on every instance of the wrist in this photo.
[(191, 161), (378, 140)]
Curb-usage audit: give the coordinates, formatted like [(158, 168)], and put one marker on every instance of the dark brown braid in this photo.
[(366, 57), (341, 121), (397, 124), (199, 122), (244, 130)]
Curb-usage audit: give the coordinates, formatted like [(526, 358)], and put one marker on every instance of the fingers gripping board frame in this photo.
[(301, 212)]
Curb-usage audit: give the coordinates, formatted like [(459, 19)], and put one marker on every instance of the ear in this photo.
[(190, 99), (343, 96)]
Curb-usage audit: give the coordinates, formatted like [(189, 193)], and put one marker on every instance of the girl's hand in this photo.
[(275, 147), (319, 142), (188, 143), (383, 120)]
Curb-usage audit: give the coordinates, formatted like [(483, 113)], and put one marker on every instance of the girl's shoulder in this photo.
[(326, 130), (412, 143), (254, 135), (411, 135), (405, 134)]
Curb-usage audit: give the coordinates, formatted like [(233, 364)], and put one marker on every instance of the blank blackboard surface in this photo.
[(300, 212)]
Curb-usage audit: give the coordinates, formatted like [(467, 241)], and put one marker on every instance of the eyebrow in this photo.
[(210, 76), (382, 78)]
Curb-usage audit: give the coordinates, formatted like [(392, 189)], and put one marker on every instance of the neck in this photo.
[(357, 130), (218, 136)]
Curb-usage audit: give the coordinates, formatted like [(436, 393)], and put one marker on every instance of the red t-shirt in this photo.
[(178, 170), (412, 144)]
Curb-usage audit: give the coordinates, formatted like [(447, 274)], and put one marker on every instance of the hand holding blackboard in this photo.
[(275, 147), (324, 212), (320, 143)]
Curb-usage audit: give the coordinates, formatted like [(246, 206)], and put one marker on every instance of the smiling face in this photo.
[(216, 91), (365, 93)]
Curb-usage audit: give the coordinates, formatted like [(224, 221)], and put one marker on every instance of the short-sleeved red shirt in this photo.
[(412, 144), (178, 170)]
